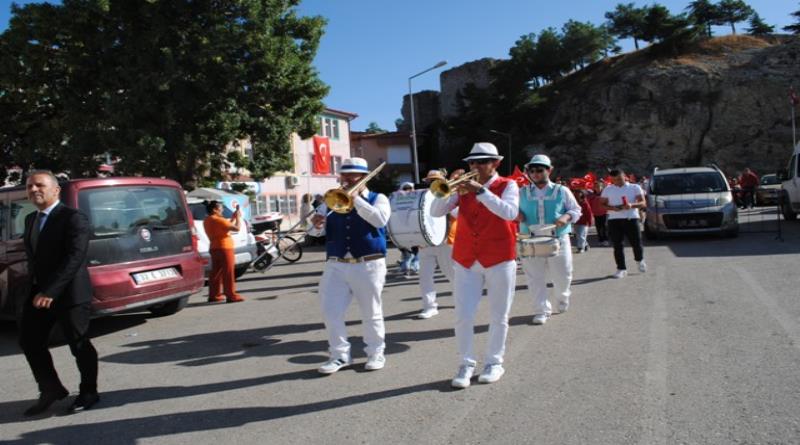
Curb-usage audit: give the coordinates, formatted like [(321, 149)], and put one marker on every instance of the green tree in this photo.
[(733, 12), (549, 58), (162, 85), (583, 43), (705, 14), (758, 27), (374, 128), (794, 28), (661, 25), (626, 21)]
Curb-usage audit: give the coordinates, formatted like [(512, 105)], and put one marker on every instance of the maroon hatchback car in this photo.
[(142, 252)]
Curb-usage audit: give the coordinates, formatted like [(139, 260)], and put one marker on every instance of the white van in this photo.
[(790, 178), (244, 242)]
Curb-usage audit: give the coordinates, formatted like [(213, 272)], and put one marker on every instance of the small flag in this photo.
[(793, 97)]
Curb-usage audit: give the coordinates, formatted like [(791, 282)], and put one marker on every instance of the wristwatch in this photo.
[(480, 191)]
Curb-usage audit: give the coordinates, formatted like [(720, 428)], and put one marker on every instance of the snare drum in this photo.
[(538, 247), (411, 223)]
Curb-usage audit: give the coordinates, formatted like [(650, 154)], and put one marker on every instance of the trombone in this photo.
[(442, 188), (341, 200)]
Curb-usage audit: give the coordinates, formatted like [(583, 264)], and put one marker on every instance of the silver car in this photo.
[(692, 200)]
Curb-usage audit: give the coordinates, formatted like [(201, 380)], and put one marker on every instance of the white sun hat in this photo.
[(354, 165), (483, 150)]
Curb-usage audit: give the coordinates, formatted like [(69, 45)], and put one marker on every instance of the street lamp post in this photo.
[(413, 119), (510, 161)]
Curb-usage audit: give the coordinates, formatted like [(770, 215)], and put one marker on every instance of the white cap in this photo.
[(543, 160), (354, 165), (483, 150)]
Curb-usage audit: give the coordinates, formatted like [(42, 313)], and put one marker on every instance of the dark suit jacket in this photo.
[(58, 267)]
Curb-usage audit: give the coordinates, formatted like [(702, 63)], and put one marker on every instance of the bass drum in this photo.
[(411, 223)]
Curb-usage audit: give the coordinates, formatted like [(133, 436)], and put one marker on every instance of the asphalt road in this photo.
[(702, 349)]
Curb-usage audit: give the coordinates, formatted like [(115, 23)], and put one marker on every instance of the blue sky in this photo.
[(371, 47)]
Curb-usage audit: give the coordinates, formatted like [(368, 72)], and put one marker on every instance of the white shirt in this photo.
[(376, 215), (614, 194), (571, 206), (45, 214), (505, 206)]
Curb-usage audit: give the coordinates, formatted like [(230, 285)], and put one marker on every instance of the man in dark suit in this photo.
[(56, 241)]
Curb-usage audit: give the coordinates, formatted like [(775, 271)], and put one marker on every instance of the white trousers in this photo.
[(340, 283), (429, 257), (557, 269), (500, 281)]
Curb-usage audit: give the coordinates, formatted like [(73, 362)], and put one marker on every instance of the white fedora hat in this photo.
[(483, 150), (354, 165)]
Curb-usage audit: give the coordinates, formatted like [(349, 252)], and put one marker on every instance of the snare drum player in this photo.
[(355, 267), (483, 254), (544, 203), (429, 257)]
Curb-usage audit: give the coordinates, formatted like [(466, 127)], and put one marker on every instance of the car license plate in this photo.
[(156, 275)]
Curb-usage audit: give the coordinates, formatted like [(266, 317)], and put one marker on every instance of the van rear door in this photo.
[(135, 222)]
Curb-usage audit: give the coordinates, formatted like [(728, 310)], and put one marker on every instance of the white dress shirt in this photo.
[(505, 206)]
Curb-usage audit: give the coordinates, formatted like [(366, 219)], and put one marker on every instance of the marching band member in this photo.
[(429, 257), (484, 253), (546, 203), (355, 267)]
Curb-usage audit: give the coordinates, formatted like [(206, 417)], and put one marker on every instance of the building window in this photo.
[(330, 127), (398, 155), (286, 205)]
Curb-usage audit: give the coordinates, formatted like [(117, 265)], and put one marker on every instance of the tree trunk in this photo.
[(636, 43), (733, 28)]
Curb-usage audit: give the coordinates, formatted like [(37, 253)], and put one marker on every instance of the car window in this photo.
[(17, 212), (199, 212), (3, 220), (681, 183), (769, 180), (119, 210), (794, 169)]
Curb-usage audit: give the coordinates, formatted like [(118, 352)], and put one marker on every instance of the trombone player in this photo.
[(484, 253), (356, 266)]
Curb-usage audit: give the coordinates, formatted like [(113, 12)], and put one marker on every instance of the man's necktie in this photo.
[(35, 230)]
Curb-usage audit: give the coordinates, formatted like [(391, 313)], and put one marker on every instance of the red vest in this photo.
[(482, 235)]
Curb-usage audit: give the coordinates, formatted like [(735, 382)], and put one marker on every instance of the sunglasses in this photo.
[(407, 189), (480, 161), (537, 169)]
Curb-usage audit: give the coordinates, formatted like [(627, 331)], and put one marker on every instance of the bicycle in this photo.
[(274, 247)]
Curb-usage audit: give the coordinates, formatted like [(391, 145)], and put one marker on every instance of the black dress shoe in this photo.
[(45, 400), (84, 401)]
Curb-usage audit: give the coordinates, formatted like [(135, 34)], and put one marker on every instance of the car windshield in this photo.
[(682, 183), (769, 180), (118, 210)]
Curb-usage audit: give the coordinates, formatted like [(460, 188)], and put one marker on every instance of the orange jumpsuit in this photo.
[(223, 260)]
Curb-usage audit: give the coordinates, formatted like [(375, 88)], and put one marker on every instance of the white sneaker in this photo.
[(375, 362), (428, 313), (333, 365), (491, 373), (540, 319), (464, 376), (642, 266), (621, 274), (563, 307)]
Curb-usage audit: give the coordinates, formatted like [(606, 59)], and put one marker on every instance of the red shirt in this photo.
[(749, 180), (594, 203), (587, 216), (483, 236)]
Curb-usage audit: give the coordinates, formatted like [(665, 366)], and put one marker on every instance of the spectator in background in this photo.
[(749, 182), (599, 212), (306, 207), (409, 262), (583, 223), (623, 201), (221, 248)]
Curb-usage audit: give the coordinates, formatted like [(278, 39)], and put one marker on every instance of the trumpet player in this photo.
[(483, 254), (546, 203), (355, 267)]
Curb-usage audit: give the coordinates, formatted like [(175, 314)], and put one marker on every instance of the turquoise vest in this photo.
[(552, 206)]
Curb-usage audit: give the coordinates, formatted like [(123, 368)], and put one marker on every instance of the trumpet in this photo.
[(341, 200), (442, 189)]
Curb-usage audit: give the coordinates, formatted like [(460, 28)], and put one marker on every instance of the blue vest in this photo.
[(552, 206), (350, 233)]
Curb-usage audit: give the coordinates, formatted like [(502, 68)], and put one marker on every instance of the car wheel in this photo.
[(786, 209), (240, 270), (170, 307)]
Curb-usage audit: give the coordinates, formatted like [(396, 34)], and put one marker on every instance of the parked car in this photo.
[(243, 241), (690, 201), (790, 180), (768, 191), (142, 251)]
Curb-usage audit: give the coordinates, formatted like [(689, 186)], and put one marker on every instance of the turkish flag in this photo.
[(322, 156), (519, 177)]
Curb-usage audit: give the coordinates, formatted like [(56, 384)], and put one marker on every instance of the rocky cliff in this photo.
[(724, 100)]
